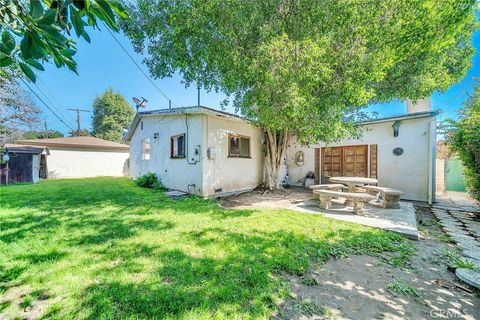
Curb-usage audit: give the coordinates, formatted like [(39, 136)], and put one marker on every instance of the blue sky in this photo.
[(102, 63)]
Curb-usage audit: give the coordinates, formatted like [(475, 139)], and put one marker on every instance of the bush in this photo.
[(150, 181), (464, 137)]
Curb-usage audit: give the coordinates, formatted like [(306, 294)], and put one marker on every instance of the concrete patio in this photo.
[(402, 220)]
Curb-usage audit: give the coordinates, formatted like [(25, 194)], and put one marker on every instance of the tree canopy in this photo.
[(17, 110), (464, 137), (39, 134), (304, 68), (36, 31), (112, 115)]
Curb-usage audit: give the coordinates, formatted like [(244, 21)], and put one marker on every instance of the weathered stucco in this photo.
[(226, 174), (202, 175), (64, 162), (412, 172)]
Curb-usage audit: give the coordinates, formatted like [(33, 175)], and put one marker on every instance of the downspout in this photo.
[(431, 158)]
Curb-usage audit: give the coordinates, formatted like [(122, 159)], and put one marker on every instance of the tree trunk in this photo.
[(276, 146)]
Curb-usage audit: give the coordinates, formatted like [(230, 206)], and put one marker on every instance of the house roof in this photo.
[(211, 111), (80, 142), (177, 111), (415, 115), (18, 148)]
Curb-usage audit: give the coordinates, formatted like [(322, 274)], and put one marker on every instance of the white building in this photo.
[(197, 150), (83, 157), (398, 151), (211, 153)]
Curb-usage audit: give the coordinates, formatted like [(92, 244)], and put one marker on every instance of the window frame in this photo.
[(143, 153), (240, 137), (175, 138)]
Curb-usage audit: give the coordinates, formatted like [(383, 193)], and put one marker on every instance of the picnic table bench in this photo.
[(391, 197), (358, 199)]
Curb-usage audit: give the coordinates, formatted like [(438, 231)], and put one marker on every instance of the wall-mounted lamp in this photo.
[(396, 128)]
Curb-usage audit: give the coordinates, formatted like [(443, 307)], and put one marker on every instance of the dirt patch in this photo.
[(267, 199), (365, 287)]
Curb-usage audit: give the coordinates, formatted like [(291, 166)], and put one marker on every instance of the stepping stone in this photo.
[(472, 254), (461, 236), (469, 276), (475, 262), (468, 245)]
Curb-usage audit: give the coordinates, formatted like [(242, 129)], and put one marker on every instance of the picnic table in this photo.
[(352, 183)]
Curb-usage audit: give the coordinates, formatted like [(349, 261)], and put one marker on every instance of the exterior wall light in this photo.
[(396, 128)]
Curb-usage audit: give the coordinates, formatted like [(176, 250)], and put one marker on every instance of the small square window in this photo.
[(146, 149), (238, 146), (177, 146)]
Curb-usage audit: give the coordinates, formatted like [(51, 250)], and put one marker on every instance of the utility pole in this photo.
[(46, 129), (78, 118)]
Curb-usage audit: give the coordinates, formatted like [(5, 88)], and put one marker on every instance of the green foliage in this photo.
[(36, 31), (34, 134), (150, 181), (105, 249), (112, 115), (455, 261), (304, 67), (83, 133), (403, 288), (464, 138)]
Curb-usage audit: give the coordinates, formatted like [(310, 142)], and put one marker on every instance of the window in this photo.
[(146, 149), (238, 146), (177, 146)]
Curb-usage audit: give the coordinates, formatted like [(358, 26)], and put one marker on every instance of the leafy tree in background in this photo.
[(112, 115), (35, 31), (303, 68), (17, 109), (83, 133), (464, 138), (39, 134)]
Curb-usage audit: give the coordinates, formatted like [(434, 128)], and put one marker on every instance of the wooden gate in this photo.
[(348, 161)]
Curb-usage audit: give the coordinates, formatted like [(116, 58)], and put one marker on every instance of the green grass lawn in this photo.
[(105, 248)]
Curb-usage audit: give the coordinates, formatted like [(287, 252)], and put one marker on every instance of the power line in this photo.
[(51, 103), (58, 102), (78, 118), (46, 105), (138, 66)]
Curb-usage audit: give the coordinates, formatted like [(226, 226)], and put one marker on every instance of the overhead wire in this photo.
[(46, 105), (138, 66)]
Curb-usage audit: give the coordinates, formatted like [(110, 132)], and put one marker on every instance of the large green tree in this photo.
[(112, 115), (464, 137), (35, 31), (303, 68)]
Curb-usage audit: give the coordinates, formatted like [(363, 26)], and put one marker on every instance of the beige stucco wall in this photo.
[(85, 163), (178, 174), (230, 174), (201, 177), (410, 172)]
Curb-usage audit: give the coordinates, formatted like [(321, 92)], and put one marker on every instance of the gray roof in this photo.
[(76, 142), (17, 148), (415, 115), (211, 111)]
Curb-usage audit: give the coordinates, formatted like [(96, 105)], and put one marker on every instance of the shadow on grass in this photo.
[(243, 281)]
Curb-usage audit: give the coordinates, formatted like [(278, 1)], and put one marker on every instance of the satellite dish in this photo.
[(136, 101), (140, 103)]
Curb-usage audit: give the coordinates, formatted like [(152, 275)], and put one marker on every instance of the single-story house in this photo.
[(212, 153), (25, 164), (83, 157), (197, 150)]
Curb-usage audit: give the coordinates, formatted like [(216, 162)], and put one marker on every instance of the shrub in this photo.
[(464, 137), (150, 181)]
